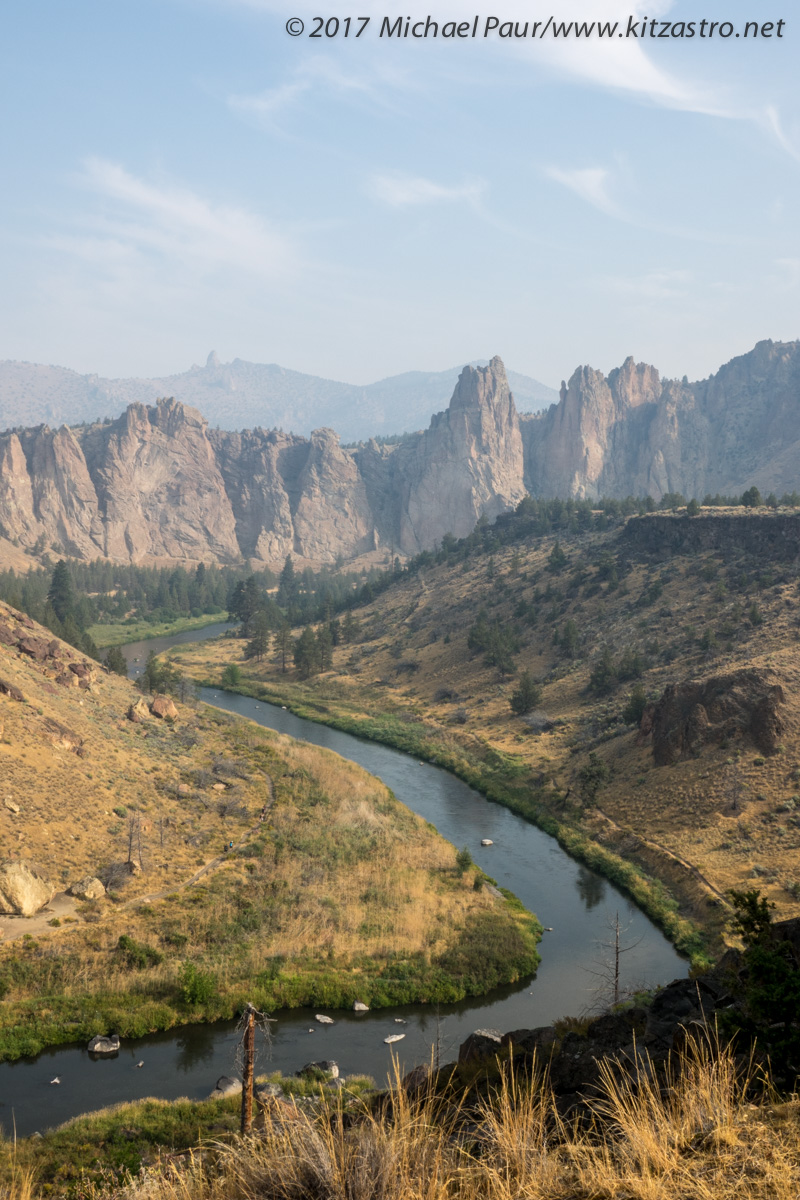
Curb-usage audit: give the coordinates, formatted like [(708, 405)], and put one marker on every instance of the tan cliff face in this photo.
[(157, 484), (633, 433), (469, 462)]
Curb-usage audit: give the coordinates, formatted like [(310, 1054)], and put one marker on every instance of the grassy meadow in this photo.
[(333, 891)]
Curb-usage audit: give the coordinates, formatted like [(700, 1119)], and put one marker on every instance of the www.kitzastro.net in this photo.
[(497, 27)]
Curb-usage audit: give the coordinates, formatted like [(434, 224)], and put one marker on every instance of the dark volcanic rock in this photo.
[(694, 713), (8, 689), (483, 1043)]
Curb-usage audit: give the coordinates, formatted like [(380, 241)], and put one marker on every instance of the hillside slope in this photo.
[(207, 833), (701, 790)]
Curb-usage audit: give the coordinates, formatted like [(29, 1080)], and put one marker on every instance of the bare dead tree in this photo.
[(608, 967)]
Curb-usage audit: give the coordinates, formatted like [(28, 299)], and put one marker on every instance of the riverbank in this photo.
[(483, 1134), (123, 633), (326, 889), (339, 894), (502, 778)]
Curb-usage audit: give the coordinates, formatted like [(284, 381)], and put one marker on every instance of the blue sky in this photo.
[(181, 175)]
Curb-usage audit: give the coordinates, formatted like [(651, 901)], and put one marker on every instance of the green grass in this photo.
[(139, 631), (103, 1150), (497, 776)]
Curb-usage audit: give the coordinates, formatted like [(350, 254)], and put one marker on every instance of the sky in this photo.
[(183, 175)]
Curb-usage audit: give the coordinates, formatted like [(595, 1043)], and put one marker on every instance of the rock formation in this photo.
[(694, 713), (633, 433), (157, 485)]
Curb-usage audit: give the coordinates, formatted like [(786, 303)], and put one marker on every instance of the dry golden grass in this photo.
[(697, 1138)]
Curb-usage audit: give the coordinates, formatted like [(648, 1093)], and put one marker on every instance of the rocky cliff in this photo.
[(633, 433), (157, 484)]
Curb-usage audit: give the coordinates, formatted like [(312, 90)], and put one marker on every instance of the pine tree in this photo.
[(287, 585), (306, 657), (259, 630), (526, 695), (116, 662), (324, 648), (283, 643), (62, 593)]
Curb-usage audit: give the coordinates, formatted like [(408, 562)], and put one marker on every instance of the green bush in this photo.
[(137, 954), (634, 710), (232, 675), (463, 860), (197, 987)]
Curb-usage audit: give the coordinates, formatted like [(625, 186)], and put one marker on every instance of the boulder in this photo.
[(13, 693), (138, 711), (417, 1078), (483, 1043), (164, 708), (104, 1045), (89, 888), (529, 1041), (225, 1086), (61, 736), (325, 1066), (360, 1006), (23, 889), (36, 648), (10, 805), (66, 679)]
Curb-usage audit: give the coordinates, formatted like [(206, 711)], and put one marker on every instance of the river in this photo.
[(579, 905)]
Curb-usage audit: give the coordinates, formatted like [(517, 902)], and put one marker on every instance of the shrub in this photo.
[(634, 710), (591, 777), (526, 696), (136, 954), (463, 860), (197, 987)]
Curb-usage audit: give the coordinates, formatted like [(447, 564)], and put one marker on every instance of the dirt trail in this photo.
[(13, 928)]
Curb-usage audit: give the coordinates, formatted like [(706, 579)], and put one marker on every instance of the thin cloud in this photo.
[(590, 183), (320, 71), (405, 191), (175, 223)]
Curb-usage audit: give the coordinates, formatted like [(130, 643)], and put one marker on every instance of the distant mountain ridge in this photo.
[(240, 394), (158, 484)]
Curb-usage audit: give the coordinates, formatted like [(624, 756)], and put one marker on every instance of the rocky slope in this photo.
[(158, 485)]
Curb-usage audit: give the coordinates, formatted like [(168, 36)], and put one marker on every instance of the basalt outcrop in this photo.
[(694, 713)]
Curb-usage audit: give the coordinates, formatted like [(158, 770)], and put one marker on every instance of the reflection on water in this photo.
[(591, 887), (194, 1046), (565, 895)]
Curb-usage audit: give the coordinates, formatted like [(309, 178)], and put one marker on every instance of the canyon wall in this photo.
[(157, 484)]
